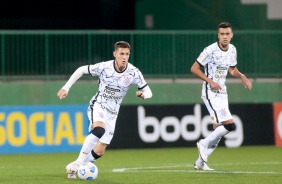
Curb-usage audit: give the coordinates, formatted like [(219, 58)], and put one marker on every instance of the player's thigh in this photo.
[(109, 131), (103, 118), (96, 116), (98, 124), (218, 109)]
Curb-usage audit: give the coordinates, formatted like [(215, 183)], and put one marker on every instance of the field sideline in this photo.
[(252, 164)]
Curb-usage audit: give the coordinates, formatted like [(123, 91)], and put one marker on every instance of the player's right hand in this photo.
[(62, 94), (215, 86)]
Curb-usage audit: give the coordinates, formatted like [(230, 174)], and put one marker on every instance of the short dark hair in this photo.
[(121, 44), (224, 25)]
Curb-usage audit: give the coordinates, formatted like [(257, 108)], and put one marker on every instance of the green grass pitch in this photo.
[(249, 164)]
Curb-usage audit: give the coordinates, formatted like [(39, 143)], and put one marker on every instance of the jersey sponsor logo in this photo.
[(220, 73), (107, 109), (221, 68), (111, 97), (109, 93), (112, 89)]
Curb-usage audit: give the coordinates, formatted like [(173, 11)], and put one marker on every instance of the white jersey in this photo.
[(113, 85), (216, 63)]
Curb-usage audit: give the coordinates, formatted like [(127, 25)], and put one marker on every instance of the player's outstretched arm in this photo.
[(145, 93), (63, 92)]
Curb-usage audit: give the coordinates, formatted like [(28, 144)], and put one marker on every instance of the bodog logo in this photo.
[(277, 113)]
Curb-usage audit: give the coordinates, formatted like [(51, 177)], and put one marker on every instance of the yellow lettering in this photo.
[(33, 120), (11, 120), (79, 128), (2, 130), (49, 128), (64, 129)]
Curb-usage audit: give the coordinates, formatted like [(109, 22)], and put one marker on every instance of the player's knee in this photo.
[(230, 127), (98, 131)]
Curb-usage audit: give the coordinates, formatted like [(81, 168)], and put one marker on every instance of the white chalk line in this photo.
[(168, 169)]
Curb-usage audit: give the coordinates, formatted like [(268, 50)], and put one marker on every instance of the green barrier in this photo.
[(169, 92), (49, 55)]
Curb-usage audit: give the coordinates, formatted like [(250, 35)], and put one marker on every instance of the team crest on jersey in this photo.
[(126, 80), (223, 112)]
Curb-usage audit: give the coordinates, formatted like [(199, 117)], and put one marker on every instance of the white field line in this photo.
[(195, 171), (163, 169)]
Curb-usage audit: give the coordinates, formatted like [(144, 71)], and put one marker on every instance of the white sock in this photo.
[(89, 158), (199, 161), (211, 148), (218, 132), (213, 145), (89, 144)]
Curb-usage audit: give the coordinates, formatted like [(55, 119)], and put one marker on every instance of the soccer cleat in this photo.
[(202, 151), (71, 169), (203, 167), (71, 175)]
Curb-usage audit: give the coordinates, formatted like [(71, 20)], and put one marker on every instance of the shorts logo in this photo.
[(212, 118), (223, 112), (101, 115)]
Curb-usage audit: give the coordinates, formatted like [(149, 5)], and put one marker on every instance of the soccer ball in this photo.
[(87, 171)]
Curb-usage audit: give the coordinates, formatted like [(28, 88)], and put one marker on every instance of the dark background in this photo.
[(257, 130), (133, 15), (57, 14)]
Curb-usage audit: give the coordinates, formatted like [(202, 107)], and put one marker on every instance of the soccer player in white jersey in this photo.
[(115, 78), (217, 59)]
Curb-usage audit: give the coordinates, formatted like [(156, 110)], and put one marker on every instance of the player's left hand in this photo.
[(140, 94), (247, 83)]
